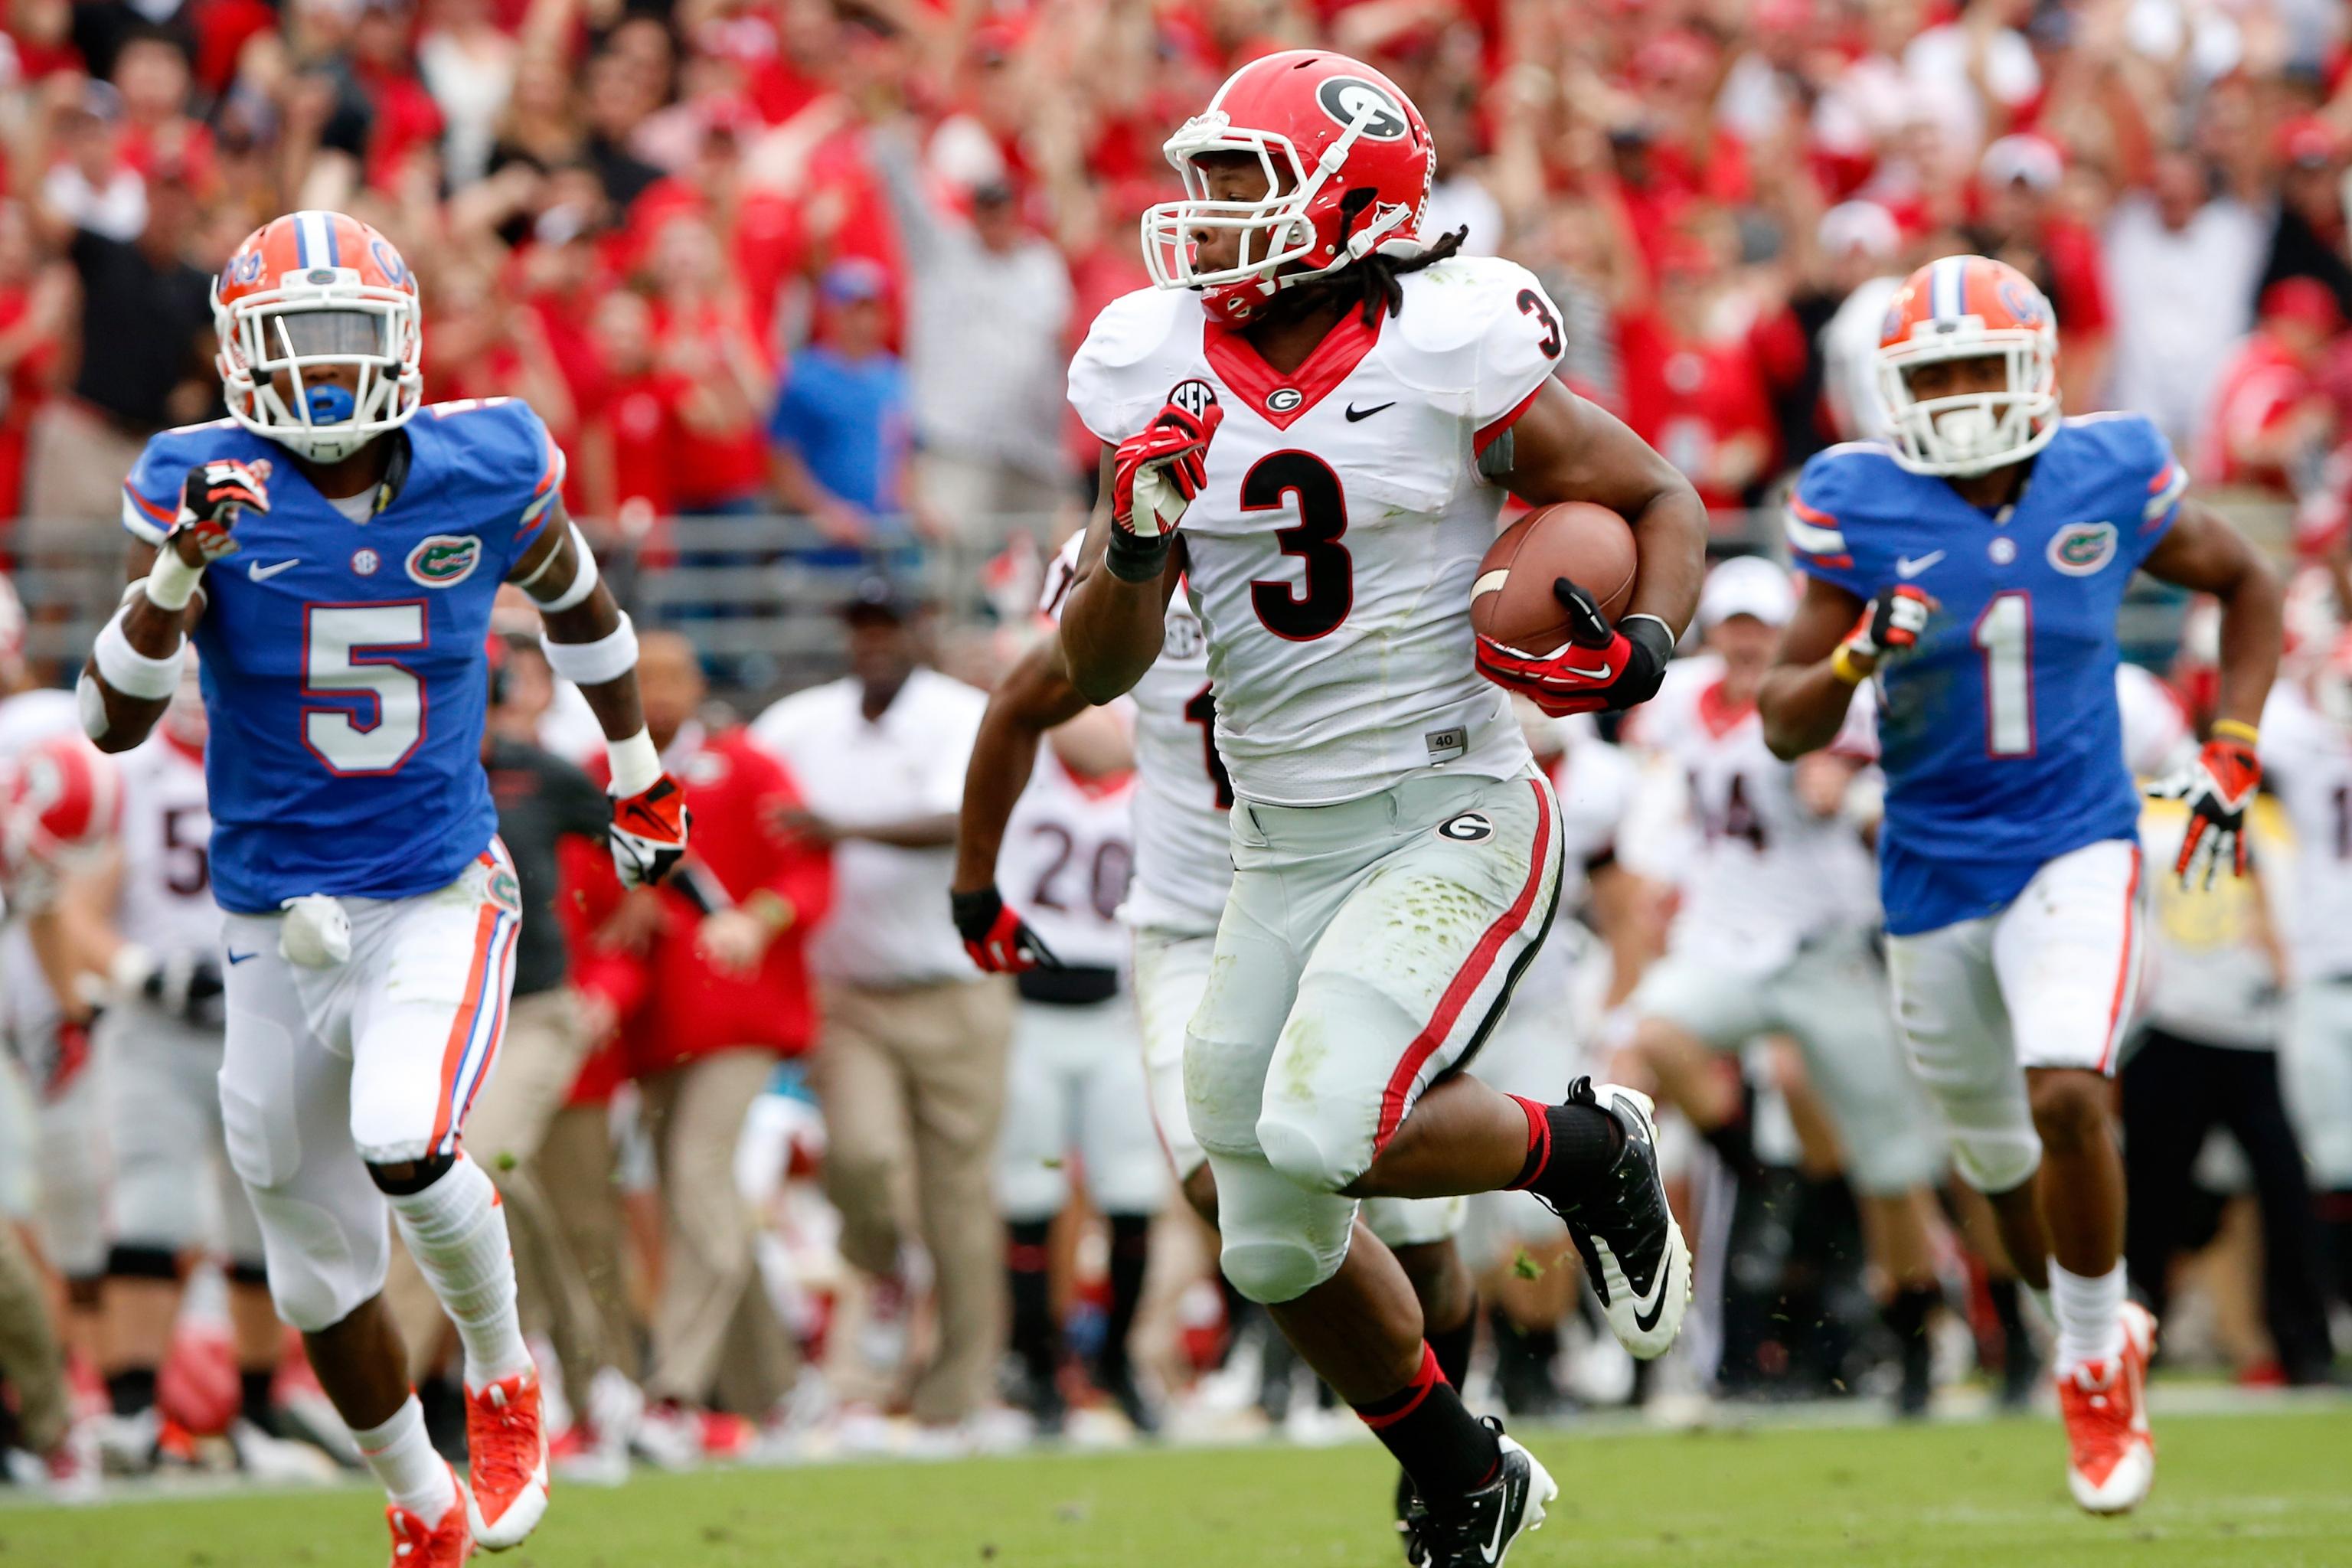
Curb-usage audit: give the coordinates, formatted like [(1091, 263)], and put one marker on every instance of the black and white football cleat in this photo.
[(1480, 1532), (1633, 1251)]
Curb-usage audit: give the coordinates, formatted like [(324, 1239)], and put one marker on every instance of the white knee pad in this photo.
[(1415, 1222), (322, 1264), (1280, 1239), (156, 1203), (1992, 1152)]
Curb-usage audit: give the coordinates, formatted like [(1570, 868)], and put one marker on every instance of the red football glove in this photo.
[(2218, 787), (1156, 473), (648, 831), (1601, 667), (998, 941), (210, 499), (1890, 622)]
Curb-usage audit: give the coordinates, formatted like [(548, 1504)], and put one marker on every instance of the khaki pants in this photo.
[(694, 1114), (74, 463), (29, 1356), (575, 1167), (505, 1132), (913, 1086)]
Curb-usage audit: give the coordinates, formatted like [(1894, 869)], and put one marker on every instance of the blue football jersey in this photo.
[(343, 663), (1998, 733)]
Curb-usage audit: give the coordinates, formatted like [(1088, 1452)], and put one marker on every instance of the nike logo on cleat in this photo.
[(1355, 413), (261, 573), (1646, 1320), (241, 957)]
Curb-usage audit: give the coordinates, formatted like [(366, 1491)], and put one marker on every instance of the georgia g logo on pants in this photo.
[(1467, 827)]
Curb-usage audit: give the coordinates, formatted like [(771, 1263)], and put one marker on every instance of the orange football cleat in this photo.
[(506, 1447), (418, 1544), (2111, 1457)]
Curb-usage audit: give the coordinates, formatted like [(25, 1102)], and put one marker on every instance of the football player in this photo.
[(161, 1039), (1396, 852), (1773, 936), (1971, 568), (333, 548), (1183, 868)]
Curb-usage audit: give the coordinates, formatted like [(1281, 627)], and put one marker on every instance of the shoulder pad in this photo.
[(2132, 443), (1839, 488), (151, 491), (1131, 356), (500, 449), (1450, 305)]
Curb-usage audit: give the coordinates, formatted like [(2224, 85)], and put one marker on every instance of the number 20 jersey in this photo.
[(1998, 733), (343, 665), (1330, 556)]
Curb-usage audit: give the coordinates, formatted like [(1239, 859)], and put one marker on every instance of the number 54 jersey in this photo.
[(1998, 733), (342, 659), (1330, 556)]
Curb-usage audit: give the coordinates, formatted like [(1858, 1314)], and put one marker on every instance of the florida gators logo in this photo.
[(445, 560), (2023, 304), (2080, 549)]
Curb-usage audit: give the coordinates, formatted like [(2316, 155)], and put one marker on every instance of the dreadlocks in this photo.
[(1371, 281)]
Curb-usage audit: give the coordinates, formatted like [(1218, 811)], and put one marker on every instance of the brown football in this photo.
[(1512, 601)]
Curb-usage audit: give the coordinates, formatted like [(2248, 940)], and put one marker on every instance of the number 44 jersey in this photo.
[(342, 659), (1998, 733), (1331, 555)]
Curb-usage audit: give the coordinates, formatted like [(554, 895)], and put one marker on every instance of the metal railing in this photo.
[(760, 596)]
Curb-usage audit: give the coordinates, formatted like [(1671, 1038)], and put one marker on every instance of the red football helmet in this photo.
[(63, 801), (1969, 307), (311, 289), (1348, 165)]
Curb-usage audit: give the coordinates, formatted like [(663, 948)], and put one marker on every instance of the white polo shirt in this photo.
[(889, 924)]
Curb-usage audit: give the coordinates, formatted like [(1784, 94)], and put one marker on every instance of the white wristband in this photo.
[(609, 657), (171, 582), (635, 763), (133, 673), (583, 577)]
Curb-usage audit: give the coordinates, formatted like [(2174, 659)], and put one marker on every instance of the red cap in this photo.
[(2304, 299), (2308, 142)]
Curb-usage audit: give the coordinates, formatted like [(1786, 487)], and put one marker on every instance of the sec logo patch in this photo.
[(444, 560), (1469, 827), (365, 561), (2082, 548)]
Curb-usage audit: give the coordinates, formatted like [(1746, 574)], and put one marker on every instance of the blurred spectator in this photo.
[(2271, 424), (36, 312), (632, 427), (2182, 265), (989, 303), (1693, 388), (468, 66), (2019, 221), (1860, 245), (708, 1004), (706, 344), (839, 431), (145, 338), (911, 1069), (2310, 238)]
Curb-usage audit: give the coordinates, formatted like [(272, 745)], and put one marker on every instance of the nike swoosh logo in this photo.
[(1494, 1547), (1355, 413), (241, 957), (261, 573), (1908, 567), (1647, 1319)]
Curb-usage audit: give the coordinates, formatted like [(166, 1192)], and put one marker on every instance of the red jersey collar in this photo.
[(1271, 392)]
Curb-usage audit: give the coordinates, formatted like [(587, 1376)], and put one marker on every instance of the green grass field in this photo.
[(2270, 1491)]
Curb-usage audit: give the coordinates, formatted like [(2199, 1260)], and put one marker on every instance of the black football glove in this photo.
[(998, 941)]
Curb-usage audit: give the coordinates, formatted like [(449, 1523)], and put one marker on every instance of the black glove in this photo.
[(189, 989), (998, 941)]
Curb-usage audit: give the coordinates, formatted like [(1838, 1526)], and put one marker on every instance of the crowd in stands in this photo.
[(830, 257)]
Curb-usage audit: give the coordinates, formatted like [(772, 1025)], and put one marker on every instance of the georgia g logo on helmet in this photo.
[(1347, 98)]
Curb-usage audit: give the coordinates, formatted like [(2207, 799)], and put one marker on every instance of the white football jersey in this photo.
[(2307, 765), (1331, 554), (1183, 855), (1766, 874), (166, 904), (1068, 849)]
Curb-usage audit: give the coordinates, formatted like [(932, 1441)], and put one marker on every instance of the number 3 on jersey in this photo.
[(1314, 607), (345, 656)]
